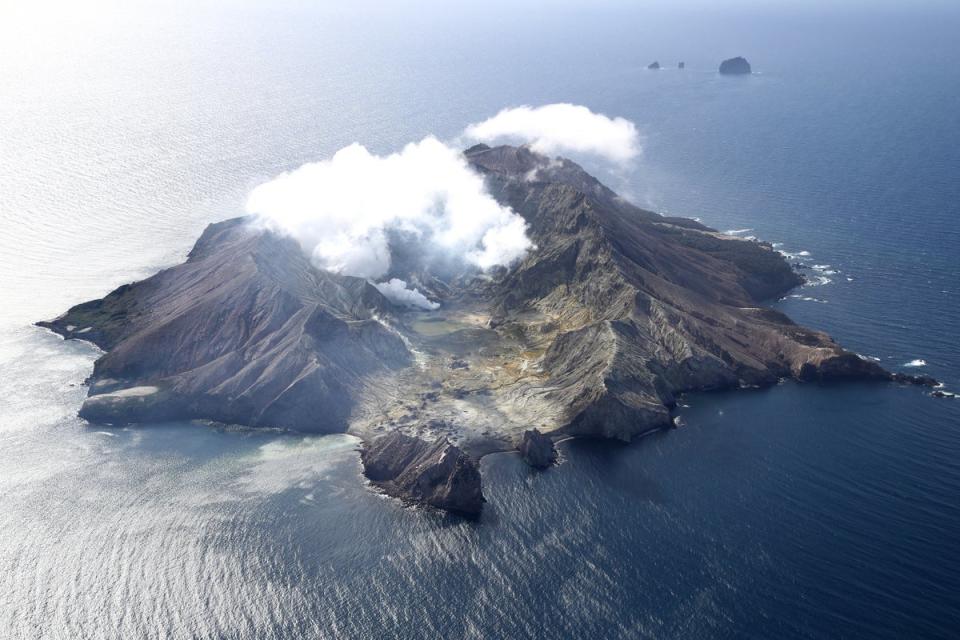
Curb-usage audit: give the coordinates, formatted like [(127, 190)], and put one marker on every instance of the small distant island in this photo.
[(655, 65), (735, 66), (613, 314)]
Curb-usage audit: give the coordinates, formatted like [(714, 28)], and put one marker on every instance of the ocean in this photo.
[(794, 512)]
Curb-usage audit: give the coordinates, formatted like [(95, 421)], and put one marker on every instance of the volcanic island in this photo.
[(612, 314)]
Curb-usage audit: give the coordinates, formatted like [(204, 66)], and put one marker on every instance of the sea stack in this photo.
[(735, 67), (537, 450), (654, 65), (437, 474), (682, 65)]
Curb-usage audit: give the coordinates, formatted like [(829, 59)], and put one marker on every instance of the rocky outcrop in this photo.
[(536, 449), (132, 404), (735, 66), (841, 366), (437, 474), (682, 65), (921, 380), (654, 65)]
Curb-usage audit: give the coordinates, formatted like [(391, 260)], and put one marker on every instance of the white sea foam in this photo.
[(736, 232), (793, 255), (916, 363), (824, 269), (817, 281)]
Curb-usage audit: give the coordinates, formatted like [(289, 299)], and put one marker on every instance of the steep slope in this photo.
[(645, 307), (245, 331)]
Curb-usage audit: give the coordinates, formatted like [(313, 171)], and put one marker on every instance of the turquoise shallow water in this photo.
[(792, 512)]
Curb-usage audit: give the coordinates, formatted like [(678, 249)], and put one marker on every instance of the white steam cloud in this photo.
[(562, 128), (397, 292), (343, 210), (426, 198)]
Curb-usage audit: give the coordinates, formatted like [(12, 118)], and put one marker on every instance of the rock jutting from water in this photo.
[(436, 474), (613, 313), (735, 66), (536, 449), (654, 65)]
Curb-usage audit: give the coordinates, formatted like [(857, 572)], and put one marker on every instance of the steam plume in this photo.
[(396, 291), (342, 209), (347, 210), (562, 128)]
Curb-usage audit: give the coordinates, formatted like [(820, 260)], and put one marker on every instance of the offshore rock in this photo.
[(654, 65), (536, 449), (921, 380), (841, 366), (735, 66), (437, 474)]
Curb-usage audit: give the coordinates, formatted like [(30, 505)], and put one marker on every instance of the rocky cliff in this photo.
[(437, 474)]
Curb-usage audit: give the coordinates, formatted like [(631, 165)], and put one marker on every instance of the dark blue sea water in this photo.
[(794, 512)]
